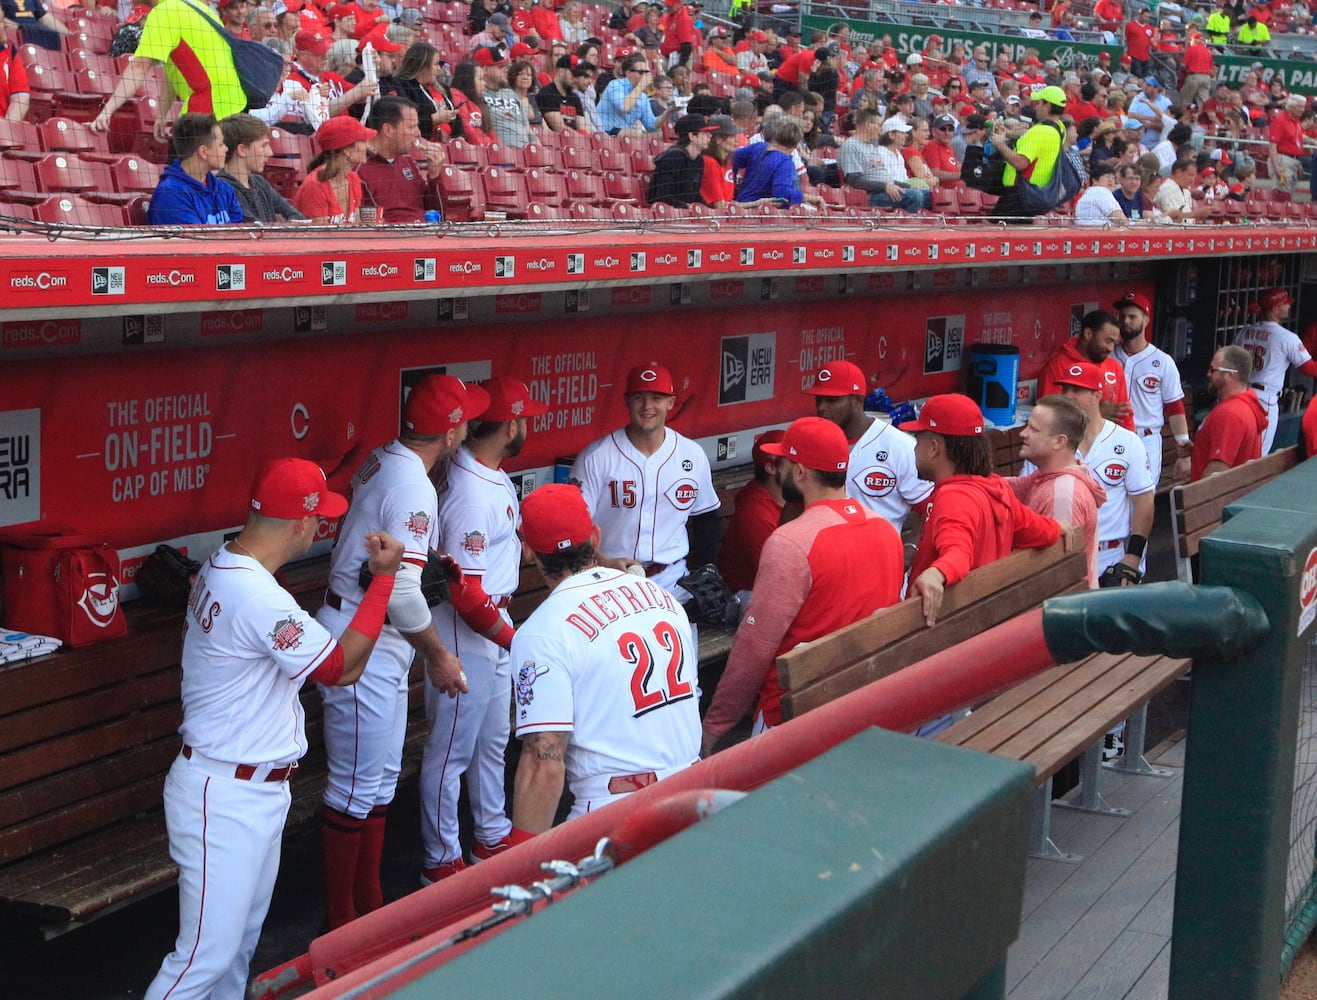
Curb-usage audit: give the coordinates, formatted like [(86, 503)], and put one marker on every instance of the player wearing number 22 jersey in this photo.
[(603, 673)]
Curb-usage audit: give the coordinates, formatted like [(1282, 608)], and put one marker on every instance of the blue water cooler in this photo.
[(994, 376)]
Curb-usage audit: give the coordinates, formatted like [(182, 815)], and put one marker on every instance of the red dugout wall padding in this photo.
[(165, 446)]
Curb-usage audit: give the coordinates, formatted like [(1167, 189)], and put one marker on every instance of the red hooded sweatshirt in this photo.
[(974, 520), (1232, 433)]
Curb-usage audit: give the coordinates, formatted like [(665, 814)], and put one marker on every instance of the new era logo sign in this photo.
[(848, 254), (333, 272), (637, 262), (107, 281), (694, 258), (505, 267), (576, 263), (231, 277), (797, 255), (747, 256), (893, 252), (423, 269)]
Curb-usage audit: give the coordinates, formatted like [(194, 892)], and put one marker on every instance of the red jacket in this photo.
[(1232, 433), (1113, 374), (13, 76), (975, 520)]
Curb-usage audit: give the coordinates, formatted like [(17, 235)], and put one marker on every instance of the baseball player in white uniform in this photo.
[(1274, 349), (1116, 459), (478, 518), (644, 481), (881, 474), (605, 679), (1154, 385), (365, 727), (248, 648)]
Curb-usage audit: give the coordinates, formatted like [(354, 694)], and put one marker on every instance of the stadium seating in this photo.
[(69, 209), (505, 191)]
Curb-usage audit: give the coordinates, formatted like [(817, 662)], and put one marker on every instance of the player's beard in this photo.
[(516, 444), (1128, 335), (787, 483)]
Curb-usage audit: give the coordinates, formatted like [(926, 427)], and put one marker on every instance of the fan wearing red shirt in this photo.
[(1139, 35), (390, 177), (1108, 14), (835, 564), (718, 183), (1232, 433), (1098, 336), (15, 96), (974, 517), (940, 157), (1199, 70), (544, 19), (678, 31)]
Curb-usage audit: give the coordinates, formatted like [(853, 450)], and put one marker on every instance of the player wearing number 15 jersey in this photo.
[(644, 481), (603, 673)]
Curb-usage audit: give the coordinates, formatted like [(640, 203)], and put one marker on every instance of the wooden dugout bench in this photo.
[(1047, 720), (1197, 508), (87, 736)]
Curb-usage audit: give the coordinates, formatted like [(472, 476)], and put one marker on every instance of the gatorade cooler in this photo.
[(994, 375)]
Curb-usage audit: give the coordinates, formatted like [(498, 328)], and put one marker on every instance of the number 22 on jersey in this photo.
[(647, 693)]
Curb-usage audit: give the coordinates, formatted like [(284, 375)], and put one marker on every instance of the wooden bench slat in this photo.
[(77, 671), (80, 817), (813, 660), (35, 798), (71, 714), (56, 755)]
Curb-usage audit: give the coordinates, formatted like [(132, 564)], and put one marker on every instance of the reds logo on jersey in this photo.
[(1151, 383), (474, 542), (526, 681), (1114, 472), (418, 523), (684, 494), (287, 634), (877, 481)]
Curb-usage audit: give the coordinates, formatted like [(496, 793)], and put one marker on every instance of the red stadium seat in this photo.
[(19, 136), (135, 211), (69, 209), (541, 213), (545, 188), (64, 135), (91, 33), (833, 199), (628, 213), (969, 201), (85, 59), (600, 141), (48, 83), (66, 172), (90, 89), (536, 156), (15, 210), (642, 161), (578, 156), (585, 188), (944, 202), (18, 180), (581, 212), (133, 175), (505, 192), (613, 160), (622, 188), (465, 155), (461, 200)]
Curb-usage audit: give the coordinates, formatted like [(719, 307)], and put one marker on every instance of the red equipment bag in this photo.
[(62, 585)]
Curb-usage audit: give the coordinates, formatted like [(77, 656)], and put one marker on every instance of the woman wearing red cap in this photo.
[(332, 190)]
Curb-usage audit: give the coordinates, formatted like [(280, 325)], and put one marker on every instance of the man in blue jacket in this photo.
[(188, 193)]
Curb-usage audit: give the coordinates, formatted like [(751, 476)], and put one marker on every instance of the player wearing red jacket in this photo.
[(835, 564), (1232, 433), (756, 511), (1098, 336), (974, 516)]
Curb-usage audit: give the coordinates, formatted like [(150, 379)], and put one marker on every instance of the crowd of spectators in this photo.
[(752, 116)]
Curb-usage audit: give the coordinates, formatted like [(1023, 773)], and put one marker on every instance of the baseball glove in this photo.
[(1116, 574), (165, 578), (438, 578), (712, 601)]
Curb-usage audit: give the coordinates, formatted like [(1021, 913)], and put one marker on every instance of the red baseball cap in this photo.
[(522, 49), (650, 378), (1274, 297), (293, 488), (814, 443), (555, 517), (510, 398), (953, 414), (841, 378), (758, 36), (340, 132), (380, 42), (438, 403), (1134, 299), (1082, 375), (315, 42), (488, 55), (757, 453)]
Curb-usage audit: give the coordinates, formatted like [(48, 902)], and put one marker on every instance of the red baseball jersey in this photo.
[(1113, 376)]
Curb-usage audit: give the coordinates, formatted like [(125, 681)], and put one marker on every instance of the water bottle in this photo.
[(434, 216)]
